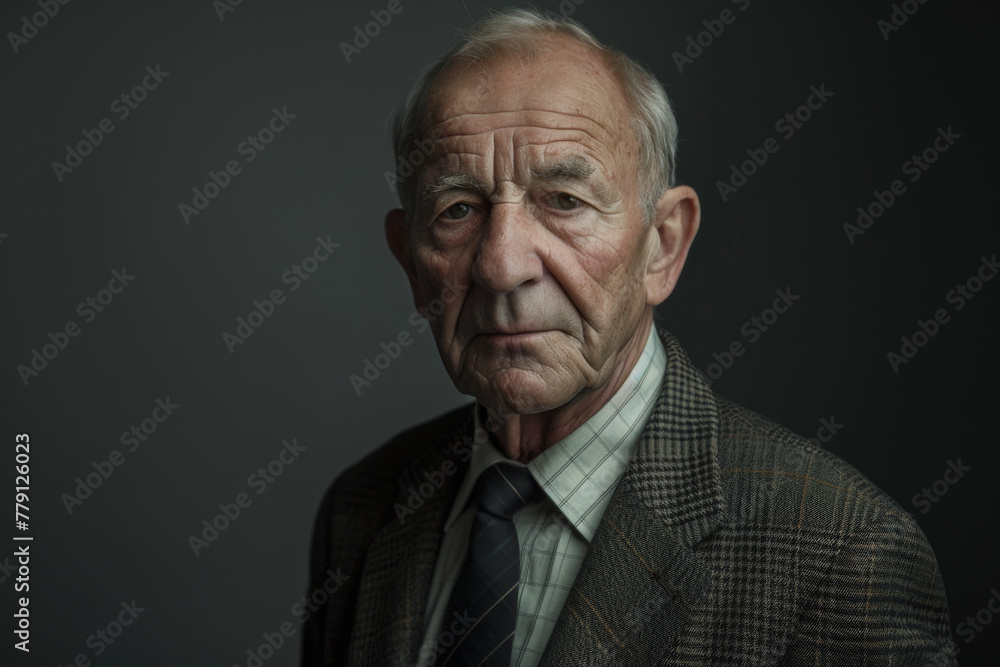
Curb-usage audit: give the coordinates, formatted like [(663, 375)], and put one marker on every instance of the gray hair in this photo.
[(516, 31)]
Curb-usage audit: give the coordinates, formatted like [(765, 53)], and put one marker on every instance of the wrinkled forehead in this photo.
[(566, 87)]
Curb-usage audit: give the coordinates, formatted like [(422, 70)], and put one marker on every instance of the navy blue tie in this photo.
[(486, 588)]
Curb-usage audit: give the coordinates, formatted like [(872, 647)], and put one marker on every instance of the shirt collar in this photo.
[(580, 472)]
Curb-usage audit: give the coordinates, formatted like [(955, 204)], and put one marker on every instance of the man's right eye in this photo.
[(457, 211)]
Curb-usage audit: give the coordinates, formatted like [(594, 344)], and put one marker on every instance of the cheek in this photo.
[(444, 282), (434, 267), (606, 277)]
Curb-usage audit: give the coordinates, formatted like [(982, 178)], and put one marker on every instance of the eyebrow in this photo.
[(572, 168), (576, 168), (450, 181)]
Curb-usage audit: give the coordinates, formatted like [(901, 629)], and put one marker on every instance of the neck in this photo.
[(524, 437)]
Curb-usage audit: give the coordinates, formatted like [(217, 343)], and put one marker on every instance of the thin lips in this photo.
[(507, 332)]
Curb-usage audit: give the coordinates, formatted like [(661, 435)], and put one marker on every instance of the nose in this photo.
[(510, 254)]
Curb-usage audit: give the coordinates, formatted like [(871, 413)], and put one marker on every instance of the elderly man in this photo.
[(598, 504)]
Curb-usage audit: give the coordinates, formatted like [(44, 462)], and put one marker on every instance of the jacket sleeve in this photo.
[(320, 612), (882, 602), (345, 523)]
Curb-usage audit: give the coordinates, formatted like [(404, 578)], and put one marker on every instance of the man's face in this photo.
[(530, 202)]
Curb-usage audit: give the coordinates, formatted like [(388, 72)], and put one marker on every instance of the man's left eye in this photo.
[(565, 202), (457, 211)]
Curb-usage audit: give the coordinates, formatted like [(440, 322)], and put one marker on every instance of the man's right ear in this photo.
[(398, 237)]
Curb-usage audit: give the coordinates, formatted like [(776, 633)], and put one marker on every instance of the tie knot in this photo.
[(503, 489)]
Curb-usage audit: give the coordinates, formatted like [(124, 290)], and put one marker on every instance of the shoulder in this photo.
[(772, 475), (360, 500), (374, 479)]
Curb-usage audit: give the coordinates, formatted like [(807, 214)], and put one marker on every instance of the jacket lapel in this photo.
[(400, 563), (633, 596)]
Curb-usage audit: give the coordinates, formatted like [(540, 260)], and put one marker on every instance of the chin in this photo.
[(519, 391)]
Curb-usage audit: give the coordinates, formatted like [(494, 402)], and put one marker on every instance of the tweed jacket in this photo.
[(729, 540)]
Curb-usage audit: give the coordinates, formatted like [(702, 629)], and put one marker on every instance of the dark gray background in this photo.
[(323, 175)]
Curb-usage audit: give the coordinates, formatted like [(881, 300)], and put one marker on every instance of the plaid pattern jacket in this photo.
[(728, 541)]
